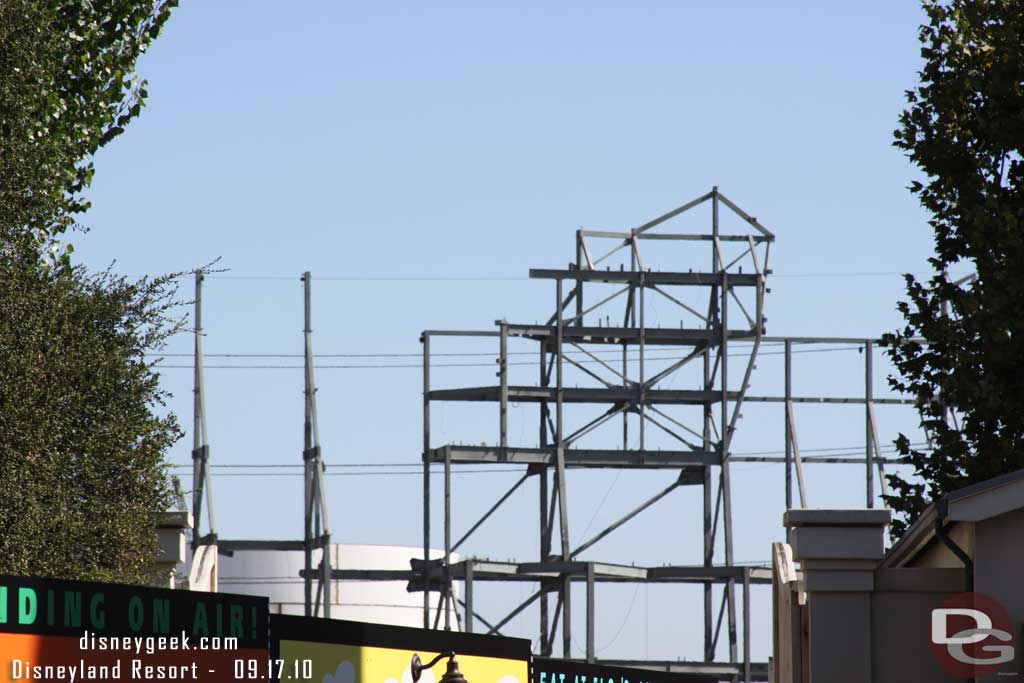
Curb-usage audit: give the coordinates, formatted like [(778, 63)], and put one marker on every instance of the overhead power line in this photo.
[(517, 278), (384, 366), (854, 452)]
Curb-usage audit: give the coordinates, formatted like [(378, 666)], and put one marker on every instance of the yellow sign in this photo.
[(334, 663)]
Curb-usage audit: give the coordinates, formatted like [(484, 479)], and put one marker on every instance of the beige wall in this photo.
[(999, 572), (938, 555)]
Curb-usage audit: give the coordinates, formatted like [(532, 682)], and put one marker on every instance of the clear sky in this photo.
[(420, 158)]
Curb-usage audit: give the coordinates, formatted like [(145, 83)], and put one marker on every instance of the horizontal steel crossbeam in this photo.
[(654, 277), (576, 458), (527, 394)]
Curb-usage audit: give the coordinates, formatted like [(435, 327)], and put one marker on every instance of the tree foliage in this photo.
[(961, 351), (83, 426), (81, 438), (67, 87)]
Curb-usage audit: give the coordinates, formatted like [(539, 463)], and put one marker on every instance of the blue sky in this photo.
[(420, 159)]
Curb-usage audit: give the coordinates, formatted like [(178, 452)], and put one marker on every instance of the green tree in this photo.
[(83, 426), (961, 351), (82, 437), (67, 87)]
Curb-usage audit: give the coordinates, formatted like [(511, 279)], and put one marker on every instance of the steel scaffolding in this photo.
[(729, 321), (316, 534)]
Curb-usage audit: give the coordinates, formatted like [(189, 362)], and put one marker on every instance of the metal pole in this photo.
[(201, 480), (590, 612), (446, 589), (725, 436), (709, 654), (307, 443), (542, 489), (563, 513), (868, 471), (426, 479), (579, 283), (746, 625), (469, 596), (503, 375), (625, 385), (789, 428), (643, 345)]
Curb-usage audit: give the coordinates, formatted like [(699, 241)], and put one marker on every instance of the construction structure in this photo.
[(722, 315), (597, 411), (316, 539)]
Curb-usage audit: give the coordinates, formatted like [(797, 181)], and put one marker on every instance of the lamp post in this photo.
[(451, 675)]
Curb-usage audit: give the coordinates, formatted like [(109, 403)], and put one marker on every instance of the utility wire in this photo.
[(350, 474), (514, 278), (382, 366), (805, 453)]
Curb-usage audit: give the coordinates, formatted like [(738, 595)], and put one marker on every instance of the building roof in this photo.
[(973, 503)]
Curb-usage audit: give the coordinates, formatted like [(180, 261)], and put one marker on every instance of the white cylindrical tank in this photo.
[(275, 574)]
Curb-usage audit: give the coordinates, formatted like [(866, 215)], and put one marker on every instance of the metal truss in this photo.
[(727, 322), (317, 533), (721, 316)]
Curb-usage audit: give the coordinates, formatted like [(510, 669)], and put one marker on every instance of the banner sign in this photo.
[(335, 651), (567, 671), (70, 631)]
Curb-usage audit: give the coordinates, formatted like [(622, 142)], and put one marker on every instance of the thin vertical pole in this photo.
[(307, 443), (563, 513), (625, 385), (579, 282), (469, 596), (868, 396), (709, 550), (503, 375), (789, 429), (542, 490), (746, 625), (446, 589), (643, 346), (202, 484), (426, 479), (590, 612), (725, 435)]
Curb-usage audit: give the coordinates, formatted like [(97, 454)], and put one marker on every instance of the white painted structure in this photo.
[(275, 574)]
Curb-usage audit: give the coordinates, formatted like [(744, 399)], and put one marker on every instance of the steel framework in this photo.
[(704, 341), (631, 388), (316, 533)]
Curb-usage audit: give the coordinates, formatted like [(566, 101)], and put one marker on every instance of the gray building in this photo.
[(856, 613)]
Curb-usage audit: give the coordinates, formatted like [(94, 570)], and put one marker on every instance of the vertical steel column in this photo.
[(307, 545), (868, 397), (725, 436), (542, 487), (789, 429), (425, 339), (503, 376), (469, 596), (563, 513), (316, 508), (643, 344), (709, 654), (746, 625), (579, 283), (201, 480), (590, 612), (625, 385), (445, 595)]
